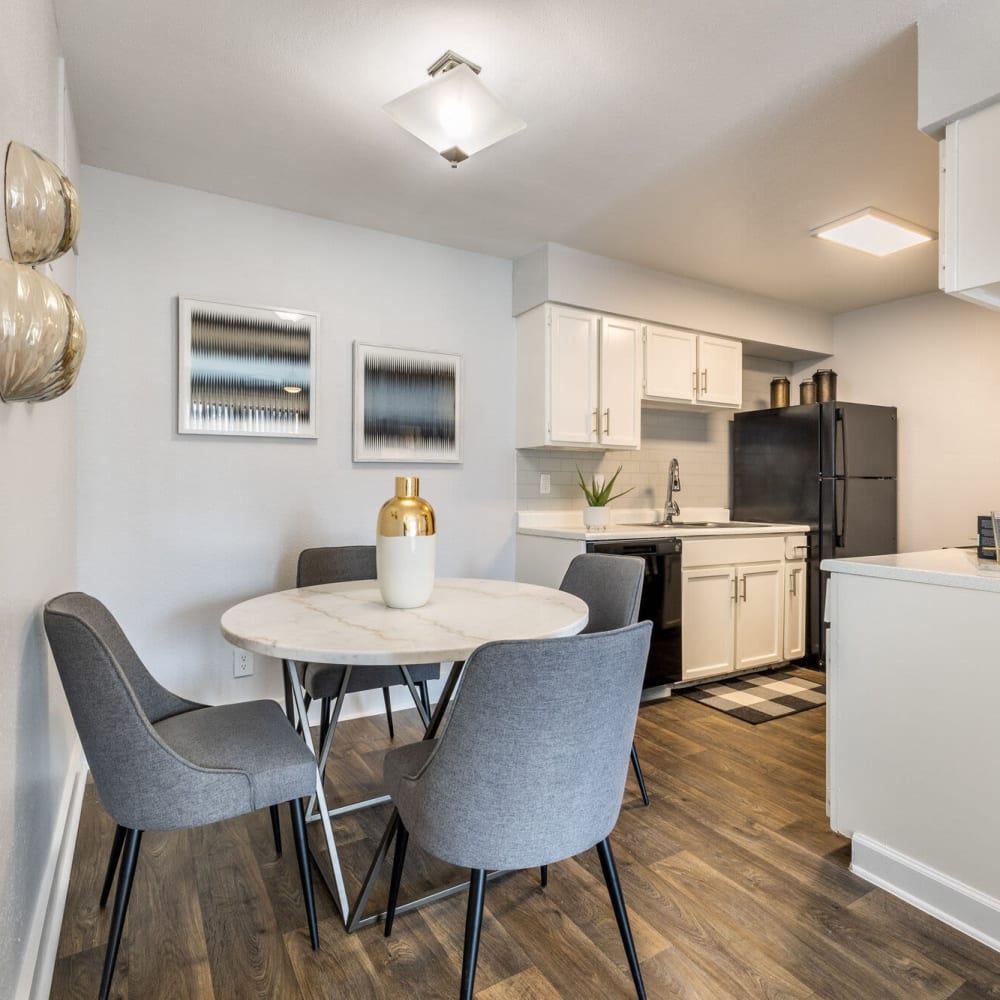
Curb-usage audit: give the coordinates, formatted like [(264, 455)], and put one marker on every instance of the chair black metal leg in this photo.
[(638, 775), (122, 893), (388, 712), (276, 830), (398, 859), (618, 905), (116, 853), (473, 926), (545, 875), (324, 721), (302, 850)]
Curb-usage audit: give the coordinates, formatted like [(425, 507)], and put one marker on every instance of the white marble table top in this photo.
[(348, 623)]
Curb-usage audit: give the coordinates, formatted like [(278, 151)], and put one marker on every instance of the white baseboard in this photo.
[(42, 942), (960, 906)]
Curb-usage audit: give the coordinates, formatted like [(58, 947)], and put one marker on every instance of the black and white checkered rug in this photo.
[(762, 697)]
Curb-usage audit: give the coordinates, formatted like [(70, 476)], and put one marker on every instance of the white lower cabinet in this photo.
[(733, 612), (795, 610)]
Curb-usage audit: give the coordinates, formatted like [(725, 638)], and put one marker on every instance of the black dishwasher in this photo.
[(661, 601)]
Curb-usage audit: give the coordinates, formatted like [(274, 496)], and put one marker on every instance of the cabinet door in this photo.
[(620, 362), (572, 377), (720, 371), (707, 611), (795, 610), (670, 364), (760, 610)]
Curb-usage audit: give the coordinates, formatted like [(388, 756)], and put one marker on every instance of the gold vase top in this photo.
[(406, 513)]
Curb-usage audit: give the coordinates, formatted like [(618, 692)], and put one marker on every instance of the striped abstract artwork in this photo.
[(249, 371), (407, 405)]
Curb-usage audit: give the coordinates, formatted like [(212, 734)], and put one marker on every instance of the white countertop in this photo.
[(569, 524), (941, 567)]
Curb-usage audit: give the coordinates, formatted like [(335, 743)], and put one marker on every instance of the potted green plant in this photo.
[(598, 495)]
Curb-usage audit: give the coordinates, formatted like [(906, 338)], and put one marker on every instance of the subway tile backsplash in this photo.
[(699, 439)]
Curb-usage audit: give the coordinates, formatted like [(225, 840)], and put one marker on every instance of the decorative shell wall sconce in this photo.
[(42, 338)]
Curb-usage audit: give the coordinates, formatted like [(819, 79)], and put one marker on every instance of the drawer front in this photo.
[(718, 551), (796, 547)]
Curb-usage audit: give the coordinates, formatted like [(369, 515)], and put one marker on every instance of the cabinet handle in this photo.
[(607, 421), (791, 582), (735, 585), (694, 382), (704, 381), (743, 589), (597, 424)]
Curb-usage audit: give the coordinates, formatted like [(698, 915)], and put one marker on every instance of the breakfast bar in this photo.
[(913, 743)]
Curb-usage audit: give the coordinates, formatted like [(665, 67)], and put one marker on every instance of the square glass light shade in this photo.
[(874, 232), (41, 207), (455, 114), (42, 338)]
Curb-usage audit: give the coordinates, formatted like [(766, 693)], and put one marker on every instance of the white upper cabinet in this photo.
[(969, 251), (685, 367), (621, 367), (578, 377)]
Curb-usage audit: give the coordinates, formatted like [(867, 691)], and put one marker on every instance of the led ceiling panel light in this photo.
[(874, 232), (454, 112)]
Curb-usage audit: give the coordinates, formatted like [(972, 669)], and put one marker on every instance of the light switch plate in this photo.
[(544, 483)]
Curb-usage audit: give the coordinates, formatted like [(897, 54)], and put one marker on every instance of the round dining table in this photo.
[(348, 624)]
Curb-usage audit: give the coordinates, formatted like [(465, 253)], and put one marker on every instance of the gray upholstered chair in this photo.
[(160, 762), (529, 770), (611, 587), (321, 681)]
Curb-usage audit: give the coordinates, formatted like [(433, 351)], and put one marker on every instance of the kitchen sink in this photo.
[(692, 524)]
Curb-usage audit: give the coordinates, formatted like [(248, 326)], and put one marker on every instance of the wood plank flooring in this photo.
[(735, 885)]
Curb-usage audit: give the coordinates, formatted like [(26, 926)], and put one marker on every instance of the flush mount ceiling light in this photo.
[(874, 232), (454, 113)]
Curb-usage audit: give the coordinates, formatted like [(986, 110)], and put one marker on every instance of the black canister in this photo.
[(779, 392), (807, 391), (826, 385)]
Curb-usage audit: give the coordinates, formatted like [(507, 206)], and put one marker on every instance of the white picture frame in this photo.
[(248, 371), (407, 405)]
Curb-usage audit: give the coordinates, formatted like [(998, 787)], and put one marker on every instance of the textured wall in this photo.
[(175, 528), (37, 541)]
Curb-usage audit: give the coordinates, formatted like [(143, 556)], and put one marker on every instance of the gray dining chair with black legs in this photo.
[(611, 587), (529, 770), (154, 770), (322, 681)]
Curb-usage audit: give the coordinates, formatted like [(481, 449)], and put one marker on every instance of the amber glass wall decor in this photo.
[(42, 338)]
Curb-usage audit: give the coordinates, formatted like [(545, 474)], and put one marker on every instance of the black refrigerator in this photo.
[(831, 466)]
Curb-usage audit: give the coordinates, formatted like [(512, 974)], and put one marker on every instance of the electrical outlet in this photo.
[(242, 663), (544, 483)]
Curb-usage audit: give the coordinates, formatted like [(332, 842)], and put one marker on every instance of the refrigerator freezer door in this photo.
[(776, 465), (857, 440)]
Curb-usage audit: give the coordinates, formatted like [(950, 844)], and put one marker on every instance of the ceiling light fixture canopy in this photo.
[(874, 232), (454, 112)]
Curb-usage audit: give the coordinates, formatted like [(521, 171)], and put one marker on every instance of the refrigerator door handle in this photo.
[(839, 515), (840, 425)]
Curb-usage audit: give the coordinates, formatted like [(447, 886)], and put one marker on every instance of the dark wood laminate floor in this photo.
[(735, 885)]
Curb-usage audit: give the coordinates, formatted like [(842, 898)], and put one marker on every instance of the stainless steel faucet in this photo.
[(670, 508)]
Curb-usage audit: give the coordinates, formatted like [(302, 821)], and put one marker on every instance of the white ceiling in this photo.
[(703, 138)]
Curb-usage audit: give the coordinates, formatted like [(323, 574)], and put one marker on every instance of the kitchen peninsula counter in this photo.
[(913, 745)]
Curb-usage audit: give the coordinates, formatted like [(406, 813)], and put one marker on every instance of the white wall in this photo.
[(174, 529), (37, 544), (937, 359), (769, 328)]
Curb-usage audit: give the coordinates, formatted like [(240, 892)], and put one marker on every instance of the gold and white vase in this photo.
[(405, 547)]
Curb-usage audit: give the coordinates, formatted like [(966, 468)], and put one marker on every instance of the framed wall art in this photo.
[(246, 370), (407, 405)]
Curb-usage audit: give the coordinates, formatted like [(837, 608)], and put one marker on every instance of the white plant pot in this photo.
[(596, 518)]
